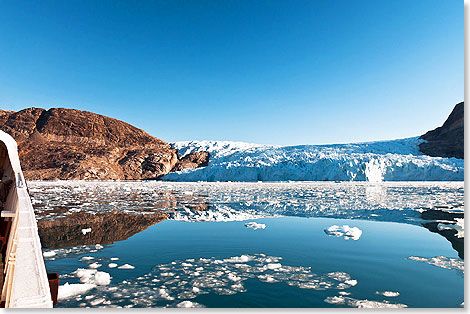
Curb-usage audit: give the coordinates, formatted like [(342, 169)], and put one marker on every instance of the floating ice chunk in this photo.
[(102, 278), (335, 300), (97, 301), (238, 259), (362, 303), (164, 294), (94, 265), (126, 266), (389, 294), (188, 304), (85, 275), (85, 231), (69, 290), (196, 289), (233, 277), (344, 231), (253, 225), (186, 264), (87, 258), (366, 304), (273, 266), (351, 282), (442, 261), (49, 253), (98, 246), (112, 265), (114, 258)]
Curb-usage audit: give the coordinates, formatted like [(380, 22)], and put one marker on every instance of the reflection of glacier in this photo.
[(397, 160), (225, 201), (220, 213)]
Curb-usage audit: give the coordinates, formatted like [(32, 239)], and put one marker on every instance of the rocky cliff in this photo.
[(71, 144), (447, 140)]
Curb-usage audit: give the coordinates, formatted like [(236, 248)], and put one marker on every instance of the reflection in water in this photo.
[(83, 228), (388, 201), (436, 218), (72, 206)]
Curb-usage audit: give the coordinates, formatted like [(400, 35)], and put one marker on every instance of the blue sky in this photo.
[(273, 72)]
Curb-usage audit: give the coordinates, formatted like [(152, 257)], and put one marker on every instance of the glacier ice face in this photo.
[(397, 160)]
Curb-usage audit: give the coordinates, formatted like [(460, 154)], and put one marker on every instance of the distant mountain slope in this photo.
[(72, 144), (447, 140), (398, 160)]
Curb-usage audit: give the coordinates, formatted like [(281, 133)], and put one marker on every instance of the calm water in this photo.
[(205, 254)]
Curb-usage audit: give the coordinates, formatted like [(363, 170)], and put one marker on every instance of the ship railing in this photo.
[(25, 278)]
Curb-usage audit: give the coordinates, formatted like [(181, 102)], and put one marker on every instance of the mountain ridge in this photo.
[(70, 144)]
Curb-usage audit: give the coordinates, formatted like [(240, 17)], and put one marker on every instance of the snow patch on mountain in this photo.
[(396, 160)]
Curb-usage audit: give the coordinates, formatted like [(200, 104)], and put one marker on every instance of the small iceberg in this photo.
[(49, 253), (94, 265), (253, 225), (344, 231), (102, 278), (389, 294), (85, 231), (126, 266), (69, 290), (188, 304)]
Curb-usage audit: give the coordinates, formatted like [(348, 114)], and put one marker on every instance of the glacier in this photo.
[(394, 160)]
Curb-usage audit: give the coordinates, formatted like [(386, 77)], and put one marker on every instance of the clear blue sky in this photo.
[(273, 72)]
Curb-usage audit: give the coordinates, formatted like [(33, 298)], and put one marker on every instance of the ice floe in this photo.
[(94, 265), (178, 282), (389, 294), (344, 231), (126, 266), (188, 304), (442, 261), (352, 302), (69, 290), (102, 278), (72, 252), (49, 253), (87, 258), (254, 225), (85, 231)]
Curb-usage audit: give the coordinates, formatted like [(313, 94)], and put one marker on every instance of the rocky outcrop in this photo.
[(192, 161), (70, 144), (447, 140), (106, 228)]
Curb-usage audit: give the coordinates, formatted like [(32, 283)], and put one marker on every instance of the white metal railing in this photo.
[(25, 278)]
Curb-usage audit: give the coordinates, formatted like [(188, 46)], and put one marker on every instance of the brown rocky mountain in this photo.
[(447, 140), (71, 144)]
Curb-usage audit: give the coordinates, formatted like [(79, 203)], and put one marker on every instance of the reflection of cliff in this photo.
[(449, 234), (105, 228)]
